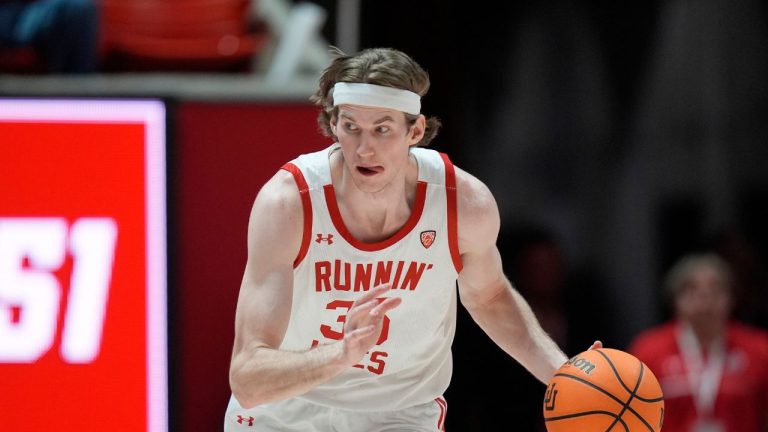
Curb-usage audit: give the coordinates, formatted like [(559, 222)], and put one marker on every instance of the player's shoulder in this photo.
[(473, 195), (275, 226), (279, 196), (478, 214)]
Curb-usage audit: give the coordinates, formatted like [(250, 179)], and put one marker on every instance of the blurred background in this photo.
[(616, 136)]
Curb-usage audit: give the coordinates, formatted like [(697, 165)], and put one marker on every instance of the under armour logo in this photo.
[(321, 239), (249, 420)]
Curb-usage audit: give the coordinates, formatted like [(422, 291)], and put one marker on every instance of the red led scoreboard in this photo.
[(82, 266)]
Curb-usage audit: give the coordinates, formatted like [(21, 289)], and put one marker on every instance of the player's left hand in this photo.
[(596, 345), (364, 322)]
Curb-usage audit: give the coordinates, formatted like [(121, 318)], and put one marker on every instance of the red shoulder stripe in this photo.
[(453, 225), (306, 205)]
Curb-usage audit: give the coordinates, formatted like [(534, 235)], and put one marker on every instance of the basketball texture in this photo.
[(604, 390)]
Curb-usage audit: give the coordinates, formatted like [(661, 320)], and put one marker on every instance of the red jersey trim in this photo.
[(443, 413), (306, 205), (453, 224), (338, 222)]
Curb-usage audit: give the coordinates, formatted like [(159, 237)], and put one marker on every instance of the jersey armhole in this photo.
[(453, 231), (306, 206)]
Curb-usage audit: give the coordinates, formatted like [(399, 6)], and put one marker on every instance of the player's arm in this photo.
[(487, 293), (259, 371)]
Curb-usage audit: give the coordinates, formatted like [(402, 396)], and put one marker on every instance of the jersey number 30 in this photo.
[(376, 357)]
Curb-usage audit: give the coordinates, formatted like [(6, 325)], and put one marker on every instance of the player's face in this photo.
[(705, 299), (375, 143)]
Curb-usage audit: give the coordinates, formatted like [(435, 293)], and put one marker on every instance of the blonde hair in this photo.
[(684, 268), (382, 66)]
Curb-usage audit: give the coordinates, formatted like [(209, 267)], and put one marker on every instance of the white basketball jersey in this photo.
[(411, 363)]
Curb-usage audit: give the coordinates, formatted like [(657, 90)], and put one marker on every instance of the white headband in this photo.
[(376, 96)]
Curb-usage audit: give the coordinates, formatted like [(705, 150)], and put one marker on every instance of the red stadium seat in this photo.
[(179, 34)]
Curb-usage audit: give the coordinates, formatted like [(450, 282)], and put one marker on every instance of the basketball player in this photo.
[(347, 307)]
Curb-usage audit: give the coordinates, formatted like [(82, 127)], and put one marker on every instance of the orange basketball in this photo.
[(604, 390)]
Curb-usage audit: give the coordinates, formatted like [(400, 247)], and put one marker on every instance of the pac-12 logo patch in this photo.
[(427, 238)]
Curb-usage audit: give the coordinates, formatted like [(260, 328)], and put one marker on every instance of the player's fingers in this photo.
[(596, 345), (387, 305), (359, 333), (372, 293), (359, 310)]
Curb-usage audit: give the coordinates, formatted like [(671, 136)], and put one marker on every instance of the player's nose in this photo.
[(365, 147)]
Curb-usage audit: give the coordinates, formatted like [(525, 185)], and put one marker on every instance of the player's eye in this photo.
[(351, 127), (382, 129)]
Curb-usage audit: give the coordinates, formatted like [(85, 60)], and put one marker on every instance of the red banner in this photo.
[(82, 266)]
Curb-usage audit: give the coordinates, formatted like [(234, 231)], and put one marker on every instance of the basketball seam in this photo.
[(586, 413), (632, 395), (600, 389), (616, 372), (607, 393)]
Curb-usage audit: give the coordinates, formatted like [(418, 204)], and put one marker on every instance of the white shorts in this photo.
[(297, 415)]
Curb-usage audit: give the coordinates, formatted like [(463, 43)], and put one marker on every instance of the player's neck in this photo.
[(375, 216)]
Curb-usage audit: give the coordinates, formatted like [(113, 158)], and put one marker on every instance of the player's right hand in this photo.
[(364, 322)]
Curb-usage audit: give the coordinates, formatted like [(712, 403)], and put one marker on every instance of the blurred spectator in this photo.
[(713, 370), (64, 33)]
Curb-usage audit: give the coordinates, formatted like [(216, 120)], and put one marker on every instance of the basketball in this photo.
[(604, 390)]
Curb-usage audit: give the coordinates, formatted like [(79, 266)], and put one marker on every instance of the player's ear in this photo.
[(417, 129), (333, 122)]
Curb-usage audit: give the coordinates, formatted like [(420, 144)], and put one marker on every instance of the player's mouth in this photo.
[(369, 171)]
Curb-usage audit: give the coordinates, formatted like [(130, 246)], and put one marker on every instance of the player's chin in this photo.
[(370, 185)]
